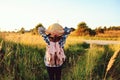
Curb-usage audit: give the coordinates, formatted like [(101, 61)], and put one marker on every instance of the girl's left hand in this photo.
[(41, 29), (72, 29)]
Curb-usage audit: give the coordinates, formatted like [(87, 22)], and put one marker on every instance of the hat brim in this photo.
[(55, 32)]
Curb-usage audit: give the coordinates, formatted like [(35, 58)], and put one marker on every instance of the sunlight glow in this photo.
[(15, 14)]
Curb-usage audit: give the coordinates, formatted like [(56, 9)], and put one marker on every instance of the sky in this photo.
[(15, 14)]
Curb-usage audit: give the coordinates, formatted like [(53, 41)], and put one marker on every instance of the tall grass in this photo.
[(25, 61), (92, 57), (111, 62), (91, 64), (22, 63), (74, 53)]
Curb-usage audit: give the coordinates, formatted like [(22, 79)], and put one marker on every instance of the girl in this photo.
[(55, 37)]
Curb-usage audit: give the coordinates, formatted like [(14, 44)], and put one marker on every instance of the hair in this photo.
[(55, 38)]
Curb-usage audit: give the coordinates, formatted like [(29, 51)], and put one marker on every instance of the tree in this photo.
[(35, 30), (92, 32), (38, 25), (105, 28), (82, 29), (22, 30), (82, 25), (99, 30)]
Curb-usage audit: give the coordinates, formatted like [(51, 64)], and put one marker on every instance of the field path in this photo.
[(102, 42)]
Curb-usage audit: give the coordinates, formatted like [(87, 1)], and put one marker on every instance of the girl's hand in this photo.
[(41, 29), (72, 29)]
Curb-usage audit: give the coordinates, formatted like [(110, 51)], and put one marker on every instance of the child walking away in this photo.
[(55, 37)]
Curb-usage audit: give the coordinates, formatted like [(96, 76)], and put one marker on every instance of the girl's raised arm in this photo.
[(41, 31), (65, 35)]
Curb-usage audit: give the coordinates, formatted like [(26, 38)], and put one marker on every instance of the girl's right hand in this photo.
[(41, 29), (72, 29)]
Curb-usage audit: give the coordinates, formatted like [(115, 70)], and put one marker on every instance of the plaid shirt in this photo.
[(61, 42), (67, 31)]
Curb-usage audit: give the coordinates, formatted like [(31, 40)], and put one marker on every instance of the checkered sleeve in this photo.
[(65, 35), (41, 31)]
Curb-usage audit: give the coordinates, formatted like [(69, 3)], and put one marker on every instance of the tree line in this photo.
[(81, 30)]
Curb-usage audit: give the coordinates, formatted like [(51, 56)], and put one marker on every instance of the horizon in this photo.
[(16, 14)]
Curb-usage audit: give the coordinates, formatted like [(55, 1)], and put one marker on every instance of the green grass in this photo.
[(91, 65), (22, 62), (25, 62)]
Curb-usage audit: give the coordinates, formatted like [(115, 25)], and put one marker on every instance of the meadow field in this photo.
[(22, 58)]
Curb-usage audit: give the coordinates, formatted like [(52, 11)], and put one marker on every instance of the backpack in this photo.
[(54, 54)]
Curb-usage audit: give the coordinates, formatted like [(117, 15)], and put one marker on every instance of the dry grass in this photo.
[(26, 38), (73, 40), (111, 62), (1, 45), (114, 47), (30, 39), (110, 33)]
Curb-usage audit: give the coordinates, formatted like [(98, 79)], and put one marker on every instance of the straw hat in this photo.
[(55, 30)]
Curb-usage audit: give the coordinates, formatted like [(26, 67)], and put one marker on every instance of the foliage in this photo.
[(114, 28), (91, 65), (35, 30), (22, 62), (26, 62), (22, 30), (99, 30), (83, 30)]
